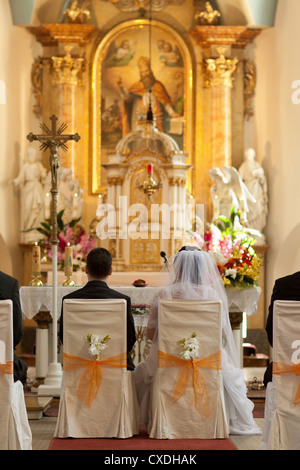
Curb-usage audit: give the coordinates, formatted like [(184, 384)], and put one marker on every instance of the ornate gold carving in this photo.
[(43, 319), (37, 83), (177, 182), (249, 87), (118, 180), (54, 34), (67, 69), (236, 36), (236, 319), (76, 14), (207, 16), (220, 71)]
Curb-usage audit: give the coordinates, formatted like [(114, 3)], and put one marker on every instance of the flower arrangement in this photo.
[(232, 246), (97, 345), (139, 283), (139, 309), (190, 347), (70, 233)]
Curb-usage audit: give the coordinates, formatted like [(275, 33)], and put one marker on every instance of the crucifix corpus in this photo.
[(53, 139)]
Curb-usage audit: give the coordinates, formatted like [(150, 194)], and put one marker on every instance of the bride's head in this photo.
[(194, 266)]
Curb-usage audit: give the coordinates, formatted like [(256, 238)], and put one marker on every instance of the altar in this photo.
[(37, 304)]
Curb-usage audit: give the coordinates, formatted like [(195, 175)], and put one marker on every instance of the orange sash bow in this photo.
[(90, 381), (7, 368), (280, 368), (201, 399)]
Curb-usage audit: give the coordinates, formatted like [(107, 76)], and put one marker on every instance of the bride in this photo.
[(194, 275)]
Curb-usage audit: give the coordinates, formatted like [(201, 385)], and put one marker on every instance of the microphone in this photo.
[(164, 256)]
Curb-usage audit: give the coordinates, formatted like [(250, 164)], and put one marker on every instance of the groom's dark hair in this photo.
[(99, 262)]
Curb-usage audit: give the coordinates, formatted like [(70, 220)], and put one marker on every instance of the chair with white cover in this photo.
[(15, 432), (98, 397), (282, 407), (187, 398)]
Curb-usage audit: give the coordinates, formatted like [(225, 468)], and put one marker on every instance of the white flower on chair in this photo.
[(97, 345), (190, 347)]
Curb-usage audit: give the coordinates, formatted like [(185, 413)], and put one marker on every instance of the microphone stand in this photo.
[(164, 256)]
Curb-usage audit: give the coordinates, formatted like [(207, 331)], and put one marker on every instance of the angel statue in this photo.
[(223, 196), (229, 191), (240, 190)]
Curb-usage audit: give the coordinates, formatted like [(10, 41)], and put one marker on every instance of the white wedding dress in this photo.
[(195, 276)]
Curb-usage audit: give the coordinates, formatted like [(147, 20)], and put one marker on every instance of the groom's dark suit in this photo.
[(100, 290), (285, 288), (9, 290)]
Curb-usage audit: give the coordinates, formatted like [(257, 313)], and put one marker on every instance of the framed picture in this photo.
[(126, 66)]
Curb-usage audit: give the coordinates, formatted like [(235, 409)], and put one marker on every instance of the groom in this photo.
[(99, 267)]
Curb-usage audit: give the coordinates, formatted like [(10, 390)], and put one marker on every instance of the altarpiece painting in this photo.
[(126, 65)]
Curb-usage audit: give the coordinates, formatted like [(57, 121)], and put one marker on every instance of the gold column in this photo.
[(219, 104), (219, 76)]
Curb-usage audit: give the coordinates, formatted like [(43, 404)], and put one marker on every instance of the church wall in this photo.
[(274, 133), (15, 65)]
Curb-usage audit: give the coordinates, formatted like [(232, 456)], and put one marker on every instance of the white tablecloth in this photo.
[(32, 298)]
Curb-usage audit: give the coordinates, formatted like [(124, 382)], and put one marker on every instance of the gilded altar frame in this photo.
[(137, 30)]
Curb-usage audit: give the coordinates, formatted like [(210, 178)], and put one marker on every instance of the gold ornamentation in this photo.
[(67, 69), (249, 87), (76, 14), (220, 71), (209, 16), (37, 82)]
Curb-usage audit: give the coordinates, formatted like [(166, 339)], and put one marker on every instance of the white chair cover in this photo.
[(282, 408), (15, 432), (114, 411), (178, 319)]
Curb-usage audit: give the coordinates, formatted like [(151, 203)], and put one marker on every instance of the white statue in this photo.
[(229, 191), (241, 191), (31, 182), (223, 197), (254, 178), (69, 195)]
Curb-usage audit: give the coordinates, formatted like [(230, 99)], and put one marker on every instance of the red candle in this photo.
[(150, 169)]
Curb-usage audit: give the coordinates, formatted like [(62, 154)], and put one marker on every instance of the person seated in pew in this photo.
[(98, 268), (285, 288), (194, 276), (9, 290)]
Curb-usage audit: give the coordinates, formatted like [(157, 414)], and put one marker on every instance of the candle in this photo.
[(36, 259), (150, 169), (47, 206), (75, 206), (68, 260)]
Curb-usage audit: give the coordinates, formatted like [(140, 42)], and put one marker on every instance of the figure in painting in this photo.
[(170, 55), (121, 55), (31, 181), (135, 99)]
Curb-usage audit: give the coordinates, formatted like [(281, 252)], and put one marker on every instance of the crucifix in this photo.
[(53, 139)]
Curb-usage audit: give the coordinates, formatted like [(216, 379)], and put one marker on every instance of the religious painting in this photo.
[(130, 71)]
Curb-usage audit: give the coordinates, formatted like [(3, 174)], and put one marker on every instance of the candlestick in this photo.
[(36, 266), (68, 266)]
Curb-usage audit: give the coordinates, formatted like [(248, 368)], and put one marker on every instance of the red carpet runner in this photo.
[(142, 443)]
